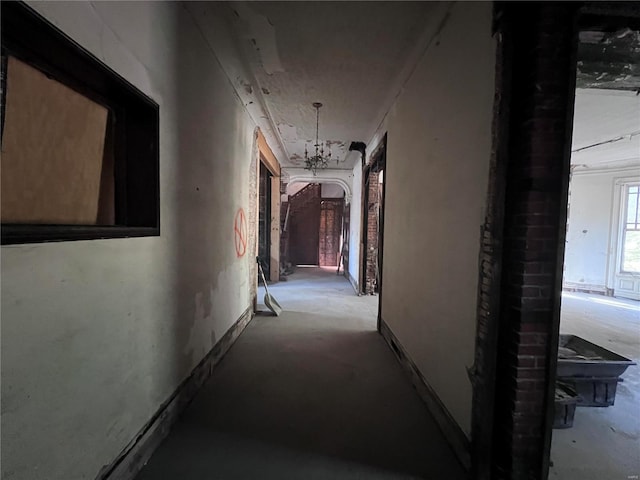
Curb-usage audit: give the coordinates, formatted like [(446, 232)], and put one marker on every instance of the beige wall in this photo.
[(439, 145), (97, 334)]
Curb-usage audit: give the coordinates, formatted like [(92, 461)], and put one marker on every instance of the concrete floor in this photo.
[(604, 443), (312, 394)]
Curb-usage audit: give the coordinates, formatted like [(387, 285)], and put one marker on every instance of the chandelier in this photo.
[(317, 160)]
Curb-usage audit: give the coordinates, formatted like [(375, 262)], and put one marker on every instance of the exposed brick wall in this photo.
[(522, 265), (490, 268), (543, 84), (370, 283)]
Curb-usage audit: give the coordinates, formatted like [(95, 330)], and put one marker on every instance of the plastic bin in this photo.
[(594, 391), (579, 358), (565, 403)]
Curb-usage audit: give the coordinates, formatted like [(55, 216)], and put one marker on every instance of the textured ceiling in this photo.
[(609, 60), (606, 128), (346, 55), (352, 56)]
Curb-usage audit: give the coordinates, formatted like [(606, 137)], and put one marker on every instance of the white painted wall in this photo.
[(590, 251), (355, 225), (97, 334), (612, 118), (438, 153)]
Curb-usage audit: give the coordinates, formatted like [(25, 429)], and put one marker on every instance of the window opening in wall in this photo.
[(79, 143), (631, 231), (57, 160)]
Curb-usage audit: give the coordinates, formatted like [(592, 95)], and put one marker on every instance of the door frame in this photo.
[(524, 230), (267, 214), (382, 167), (523, 237), (377, 162), (266, 157)]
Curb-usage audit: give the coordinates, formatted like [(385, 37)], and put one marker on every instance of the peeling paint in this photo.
[(288, 133), (263, 37), (248, 88)]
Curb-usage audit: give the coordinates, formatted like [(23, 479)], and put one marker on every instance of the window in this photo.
[(79, 143), (631, 230)]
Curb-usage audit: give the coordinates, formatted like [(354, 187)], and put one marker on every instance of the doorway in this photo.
[(330, 231), (373, 223), (264, 219), (596, 428), (313, 232), (304, 225), (523, 237)]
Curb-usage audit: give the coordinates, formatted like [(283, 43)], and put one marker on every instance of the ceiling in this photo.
[(355, 56), (606, 129), (347, 55), (609, 59)]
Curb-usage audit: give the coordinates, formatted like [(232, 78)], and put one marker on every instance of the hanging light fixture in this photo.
[(318, 160)]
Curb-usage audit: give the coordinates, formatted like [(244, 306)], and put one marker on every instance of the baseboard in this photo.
[(353, 282), (136, 454), (451, 430), (587, 288)]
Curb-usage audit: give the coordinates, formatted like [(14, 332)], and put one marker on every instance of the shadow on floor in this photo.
[(306, 395)]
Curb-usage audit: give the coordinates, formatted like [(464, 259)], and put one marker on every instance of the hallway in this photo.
[(313, 394)]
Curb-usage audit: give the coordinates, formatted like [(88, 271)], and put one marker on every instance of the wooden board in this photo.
[(52, 151), (330, 230)]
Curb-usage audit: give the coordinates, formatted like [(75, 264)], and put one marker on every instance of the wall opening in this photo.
[(264, 219), (523, 243), (80, 144), (373, 222), (595, 424), (313, 229)]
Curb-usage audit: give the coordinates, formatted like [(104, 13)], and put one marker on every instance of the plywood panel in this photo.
[(52, 150)]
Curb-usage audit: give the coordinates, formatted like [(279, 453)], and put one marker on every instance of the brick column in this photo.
[(543, 44), (372, 234)]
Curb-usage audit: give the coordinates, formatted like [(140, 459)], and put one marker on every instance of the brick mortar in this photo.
[(519, 257)]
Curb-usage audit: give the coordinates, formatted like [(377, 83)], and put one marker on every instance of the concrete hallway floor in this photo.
[(604, 442), (312, 394)]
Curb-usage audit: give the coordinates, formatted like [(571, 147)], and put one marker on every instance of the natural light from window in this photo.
[(631, 238)]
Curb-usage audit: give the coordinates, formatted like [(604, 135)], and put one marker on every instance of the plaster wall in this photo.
[(96, 335), (438, 154), (590, 253), (355, 225)]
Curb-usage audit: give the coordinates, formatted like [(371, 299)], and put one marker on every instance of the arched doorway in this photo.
[(313, 231)]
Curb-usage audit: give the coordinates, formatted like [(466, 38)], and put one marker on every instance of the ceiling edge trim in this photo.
[(343, 178)]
